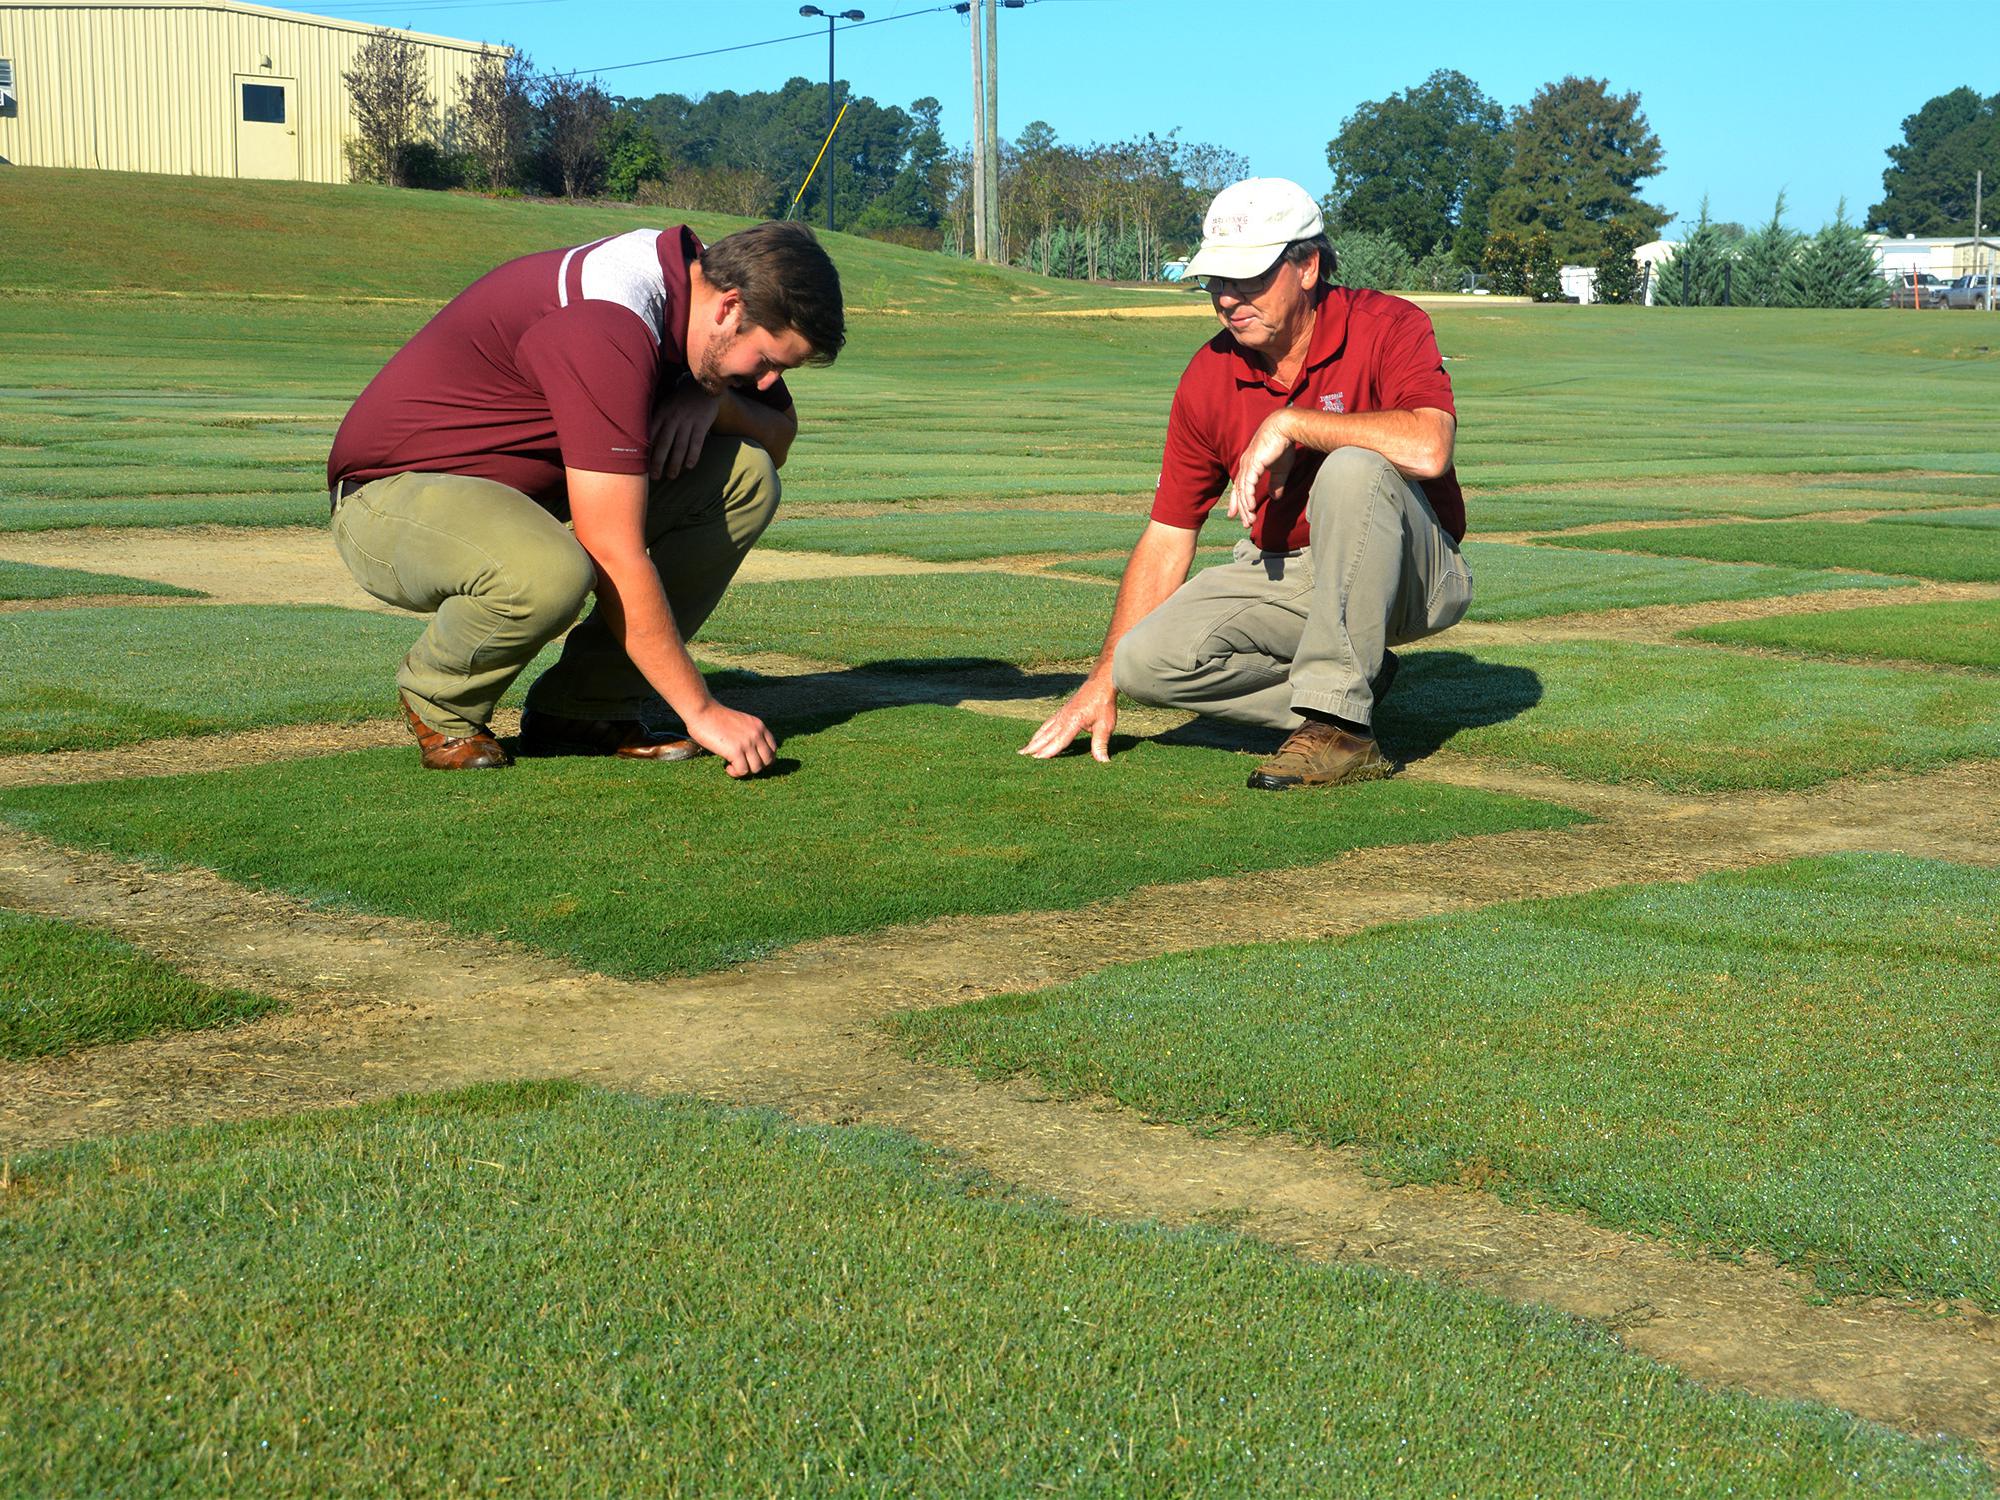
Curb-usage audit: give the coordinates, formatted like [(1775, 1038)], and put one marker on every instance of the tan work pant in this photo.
[(1258, 638), (502, 577)]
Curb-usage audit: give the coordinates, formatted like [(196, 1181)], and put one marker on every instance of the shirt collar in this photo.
[(679, 248)]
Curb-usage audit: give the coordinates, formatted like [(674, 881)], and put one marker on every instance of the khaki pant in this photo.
[(1259, 638), (502, 577)]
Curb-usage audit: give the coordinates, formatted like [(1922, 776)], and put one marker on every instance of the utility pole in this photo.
[(994, 251), (978, 133), (1979, 260)]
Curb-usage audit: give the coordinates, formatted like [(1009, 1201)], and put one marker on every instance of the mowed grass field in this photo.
[(1793, 1060)]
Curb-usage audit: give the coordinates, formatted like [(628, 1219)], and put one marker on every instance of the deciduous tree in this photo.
[(1928, 186), (496, 115), (393, 108), (575, 116), (1578, 155), (1618, 278), (1420, 165)]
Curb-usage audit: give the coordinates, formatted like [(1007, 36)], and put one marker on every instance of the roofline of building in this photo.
[(238, 7)]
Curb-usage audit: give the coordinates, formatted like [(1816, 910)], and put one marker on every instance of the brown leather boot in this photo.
[(1318, 754), (553, 734), (471, 752)]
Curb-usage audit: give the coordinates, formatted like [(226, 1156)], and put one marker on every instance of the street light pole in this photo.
[(845, 15)]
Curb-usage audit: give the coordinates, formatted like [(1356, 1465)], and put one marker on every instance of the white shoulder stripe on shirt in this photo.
[(624, 269)]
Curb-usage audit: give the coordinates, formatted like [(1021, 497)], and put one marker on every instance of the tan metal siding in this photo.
[(149, 88)]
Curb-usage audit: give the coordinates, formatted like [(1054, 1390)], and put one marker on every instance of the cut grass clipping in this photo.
[(610, 1295), (1798, 1059), (897, 816), (1962, 634), (1686, 718), (20, 580), (82, 679), (64, 987), (1960, 554)]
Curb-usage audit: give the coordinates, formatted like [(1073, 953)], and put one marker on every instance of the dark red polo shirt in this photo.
[(1369, 352), (548, 362)]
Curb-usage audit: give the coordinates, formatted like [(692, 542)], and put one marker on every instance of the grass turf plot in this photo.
[(90, 678), (1959, 554), (20, 580), (1982, 518), (1798, 1059), (648, 869), (920, 621), (1522, 583), (64, 987), (1959, 634), (960, 536), (1685, 718), (1588, 505), (334, 1303)]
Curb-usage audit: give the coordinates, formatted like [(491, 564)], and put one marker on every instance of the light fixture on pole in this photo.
[(830, 17)]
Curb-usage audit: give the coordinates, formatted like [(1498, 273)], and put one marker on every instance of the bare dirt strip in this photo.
[(384, 1006)]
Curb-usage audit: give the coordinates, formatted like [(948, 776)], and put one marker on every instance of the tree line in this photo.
[(1430, 185)]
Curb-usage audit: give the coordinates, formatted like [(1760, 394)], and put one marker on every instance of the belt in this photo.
[(340, 490)]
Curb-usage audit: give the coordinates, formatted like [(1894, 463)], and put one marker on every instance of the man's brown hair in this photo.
[(787, 282)]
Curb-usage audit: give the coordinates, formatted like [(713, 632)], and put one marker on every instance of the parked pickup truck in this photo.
[(1969, 291), (1916, 289)]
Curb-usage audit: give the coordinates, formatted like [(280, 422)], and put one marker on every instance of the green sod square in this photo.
[(1984, 518), (290, 507), (1519, 583), (623, 1296), (64, 987), (20, 580), (1799, 1059), (650, 869), (961, 536), (1683, 717), (82, 679), (921, 620), (1962, 554), (1960, 634)]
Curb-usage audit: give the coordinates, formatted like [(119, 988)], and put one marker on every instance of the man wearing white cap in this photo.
[(1326, 413)]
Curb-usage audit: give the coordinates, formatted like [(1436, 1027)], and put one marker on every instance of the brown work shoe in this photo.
[(1318, 754), (478, 751), (552, 734)]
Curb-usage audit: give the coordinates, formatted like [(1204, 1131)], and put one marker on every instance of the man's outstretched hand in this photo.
[(742, 740), (1092, 707)]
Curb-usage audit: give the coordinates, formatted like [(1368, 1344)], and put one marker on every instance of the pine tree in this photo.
[(1697, 273), (1764, 259), (1836, 268)]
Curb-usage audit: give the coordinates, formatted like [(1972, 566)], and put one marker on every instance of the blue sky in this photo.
[(1748, 97)]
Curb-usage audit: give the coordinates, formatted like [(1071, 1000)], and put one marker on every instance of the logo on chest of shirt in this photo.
[(1333, 401)]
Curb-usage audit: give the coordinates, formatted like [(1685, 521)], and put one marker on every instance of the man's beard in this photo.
[(709, 376)]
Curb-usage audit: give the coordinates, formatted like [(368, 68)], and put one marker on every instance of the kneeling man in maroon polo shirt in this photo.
[(1326, 413), (632, 387)]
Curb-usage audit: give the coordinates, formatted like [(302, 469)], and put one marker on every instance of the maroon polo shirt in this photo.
[(1369, 352), (552, 361)]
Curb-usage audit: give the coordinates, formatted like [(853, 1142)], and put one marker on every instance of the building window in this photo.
[(263, 104), (6, 83)]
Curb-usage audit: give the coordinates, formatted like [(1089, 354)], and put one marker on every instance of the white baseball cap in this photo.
[(1250, 223)]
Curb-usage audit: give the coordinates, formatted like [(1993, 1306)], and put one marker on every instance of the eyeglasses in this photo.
[(1244, 288)]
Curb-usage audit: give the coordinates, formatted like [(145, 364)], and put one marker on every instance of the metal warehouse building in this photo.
[(210, 89)]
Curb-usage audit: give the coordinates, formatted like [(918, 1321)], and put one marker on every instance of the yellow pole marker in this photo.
[(817, 159)]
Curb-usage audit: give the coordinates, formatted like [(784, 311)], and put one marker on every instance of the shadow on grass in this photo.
[(1440, 694), (812, 701)]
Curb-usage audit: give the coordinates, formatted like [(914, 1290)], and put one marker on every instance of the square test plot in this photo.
[(1963, 554), (1961, 633)]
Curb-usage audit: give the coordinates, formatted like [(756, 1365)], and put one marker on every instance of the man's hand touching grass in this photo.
[(1092, 707)]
